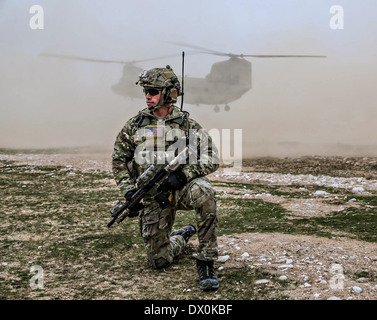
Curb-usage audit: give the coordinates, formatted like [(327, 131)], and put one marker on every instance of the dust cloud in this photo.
[(295, 107)]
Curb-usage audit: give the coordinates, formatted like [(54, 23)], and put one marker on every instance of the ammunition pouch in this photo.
[(163, 199)]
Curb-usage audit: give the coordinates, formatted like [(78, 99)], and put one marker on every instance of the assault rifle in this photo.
[(151, 183)]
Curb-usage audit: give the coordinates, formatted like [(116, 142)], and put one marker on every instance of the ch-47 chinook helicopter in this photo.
[(226, 82)]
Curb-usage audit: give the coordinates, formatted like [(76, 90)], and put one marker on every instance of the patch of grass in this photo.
[(365, 274), (316, 165), (358, 223), (249, 215), (256, 215)]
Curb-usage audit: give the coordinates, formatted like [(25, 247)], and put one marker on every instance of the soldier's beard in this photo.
[(157, 106)]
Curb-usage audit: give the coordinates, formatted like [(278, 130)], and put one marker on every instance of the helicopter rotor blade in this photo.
[(280, 56), (81, 58), (210, 51), (105, 61), (232, 55), (160, 57)]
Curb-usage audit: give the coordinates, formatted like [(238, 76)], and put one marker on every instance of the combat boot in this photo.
[(186, 232), (207, 277)]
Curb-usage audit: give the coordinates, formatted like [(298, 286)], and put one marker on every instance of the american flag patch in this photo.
[(152, 132)]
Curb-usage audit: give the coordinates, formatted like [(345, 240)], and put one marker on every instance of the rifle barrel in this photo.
[(111, 222)]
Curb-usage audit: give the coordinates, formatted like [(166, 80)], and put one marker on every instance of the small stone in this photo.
[(320, 193), (223, 258), (244, 255), (357, 289), (283, 278), (262, 281), (358, 190), (333, 298), (285, 266)]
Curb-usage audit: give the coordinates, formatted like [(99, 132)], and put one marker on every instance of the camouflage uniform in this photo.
[(156, 224)]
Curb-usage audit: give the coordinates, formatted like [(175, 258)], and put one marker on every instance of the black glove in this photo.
[(134, 212), (175, 181)]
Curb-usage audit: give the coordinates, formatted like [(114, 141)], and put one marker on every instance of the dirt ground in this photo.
[(337, 268)]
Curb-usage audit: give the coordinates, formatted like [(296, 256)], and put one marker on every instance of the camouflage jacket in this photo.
[(146, 132)]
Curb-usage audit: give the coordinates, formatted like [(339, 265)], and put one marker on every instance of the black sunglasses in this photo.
[(152, 91)]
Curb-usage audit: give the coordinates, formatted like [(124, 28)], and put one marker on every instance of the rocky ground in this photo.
[(340, 267), (322, 268)]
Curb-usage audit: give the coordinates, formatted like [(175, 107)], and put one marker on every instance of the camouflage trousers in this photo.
[(156, 224)]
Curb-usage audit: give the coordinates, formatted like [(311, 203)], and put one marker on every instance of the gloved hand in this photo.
[(175, 181), (134, 212)]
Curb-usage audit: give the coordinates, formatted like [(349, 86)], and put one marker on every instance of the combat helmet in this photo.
[(162, 78)]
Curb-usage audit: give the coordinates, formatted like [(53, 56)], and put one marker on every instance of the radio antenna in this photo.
[(183, 78)]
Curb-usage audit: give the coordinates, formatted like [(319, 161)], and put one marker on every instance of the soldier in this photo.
[(158, 127)]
